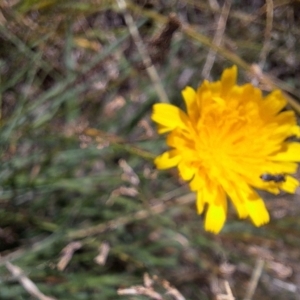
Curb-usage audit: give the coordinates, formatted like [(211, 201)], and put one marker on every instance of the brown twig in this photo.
[(159, 46)]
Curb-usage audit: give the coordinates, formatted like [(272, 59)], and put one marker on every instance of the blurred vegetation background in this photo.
[(83, 212)]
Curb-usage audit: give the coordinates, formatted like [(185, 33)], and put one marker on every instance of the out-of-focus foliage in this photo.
[(75, 103)]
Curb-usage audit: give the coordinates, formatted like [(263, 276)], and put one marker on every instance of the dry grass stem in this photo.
[(67, 254), (121, 191), (151, 70), (27, 284), (292, 288), (231, 56), (221, 26), (267, 41), (148, 290), (100, 259), (172, 291), (128, 173), (142, 214), (141, 290), (228, 295), (254, 279)]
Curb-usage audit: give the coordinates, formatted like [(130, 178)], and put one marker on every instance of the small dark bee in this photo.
[(276, 178)]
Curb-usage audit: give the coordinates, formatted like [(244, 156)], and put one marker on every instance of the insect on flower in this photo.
[(275, 178)]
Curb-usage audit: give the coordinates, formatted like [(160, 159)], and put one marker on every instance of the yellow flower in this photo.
[(230, 140)]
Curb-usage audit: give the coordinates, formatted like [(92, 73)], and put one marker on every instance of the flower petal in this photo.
[(228, 80), (198, 182), (186, 171), (291, 152), (216, 213), (237, 200), (256, 209), (176, 139), (295, 130), (190, 99), (169, 116), (273, 103), (200, 202), (167, 160), (290, 184)]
